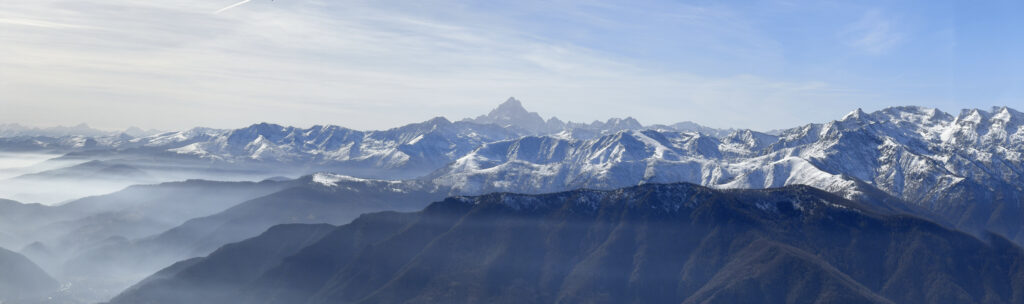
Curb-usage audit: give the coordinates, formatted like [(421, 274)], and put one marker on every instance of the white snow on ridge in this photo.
[(332, 179), (910, 152)]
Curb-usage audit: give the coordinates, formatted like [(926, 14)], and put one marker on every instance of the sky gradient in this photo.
[(378, 64)]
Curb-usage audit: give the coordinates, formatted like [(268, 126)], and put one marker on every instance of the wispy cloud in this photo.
[(38, 23), (231, 6), (360, 64), (873, 33)]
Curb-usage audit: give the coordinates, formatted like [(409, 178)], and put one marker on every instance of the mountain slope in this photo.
[(320, 198), (14, 216), (57, 237), (134, 212), (766, 272), (646, 244), (234, 262), (22, 279)]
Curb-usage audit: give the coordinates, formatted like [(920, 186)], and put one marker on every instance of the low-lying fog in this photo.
[(63, 239), (50, 180), (14, 164)]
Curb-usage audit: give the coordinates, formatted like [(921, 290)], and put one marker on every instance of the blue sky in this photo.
[(379, 64)]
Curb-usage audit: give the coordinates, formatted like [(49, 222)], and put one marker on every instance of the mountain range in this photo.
[(404, 152), (967, 169), (655, 243), (958, 172)]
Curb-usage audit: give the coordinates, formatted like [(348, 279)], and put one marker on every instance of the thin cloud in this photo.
[(231, 6), (873, 33), (40, 23), (358, 64)]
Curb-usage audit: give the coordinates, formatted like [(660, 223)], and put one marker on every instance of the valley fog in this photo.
[(13, 164)]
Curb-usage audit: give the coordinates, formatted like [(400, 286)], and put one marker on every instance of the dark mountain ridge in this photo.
[(653, 243)]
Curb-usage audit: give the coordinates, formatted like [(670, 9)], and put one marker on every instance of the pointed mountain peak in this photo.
[(433, 123), (512, 106), (511, 102), (439, 120), (973, 116), (855, 115), (1007, 118), (512, 113)]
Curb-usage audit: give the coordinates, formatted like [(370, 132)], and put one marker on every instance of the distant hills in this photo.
[(16, 130)]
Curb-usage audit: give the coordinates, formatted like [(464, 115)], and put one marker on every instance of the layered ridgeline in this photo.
[(263, 150), (403, 152), (321, 198), (966, 169), (60, 238), (656, 243), (102, 244)]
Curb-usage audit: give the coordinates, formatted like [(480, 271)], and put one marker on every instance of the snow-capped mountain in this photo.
[(931, 159), (914, 153), (963, 170), (909, 152), (511, 114), (404, 152)]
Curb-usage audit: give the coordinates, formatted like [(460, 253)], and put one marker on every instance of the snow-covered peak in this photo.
[(1006, 115), (747, 141), (857, 114), (912, 114), (971, 116)]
